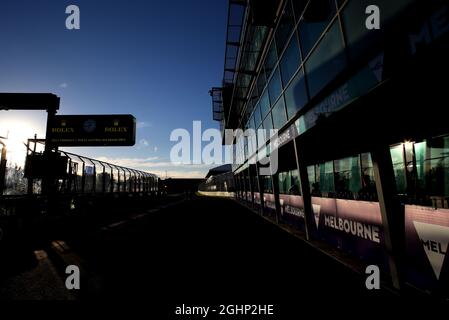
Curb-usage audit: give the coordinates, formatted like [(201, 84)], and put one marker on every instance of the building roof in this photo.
[(219, 170)]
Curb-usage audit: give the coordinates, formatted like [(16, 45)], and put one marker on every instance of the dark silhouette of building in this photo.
[(362, 130)]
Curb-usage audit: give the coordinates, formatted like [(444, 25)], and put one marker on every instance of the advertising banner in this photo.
[(292, 210), (257, 200), (427, 238), (269, 204), (92, 130), (352, 226)]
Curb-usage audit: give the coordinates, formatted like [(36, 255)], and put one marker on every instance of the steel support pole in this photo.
[(305, 192), (392, 212)]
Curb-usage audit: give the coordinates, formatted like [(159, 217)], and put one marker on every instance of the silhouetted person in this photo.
[(315, 188), (294, 190)]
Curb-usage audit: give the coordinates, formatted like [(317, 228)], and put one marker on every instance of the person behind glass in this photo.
[(316, 189), (294, 190), (368, 189)]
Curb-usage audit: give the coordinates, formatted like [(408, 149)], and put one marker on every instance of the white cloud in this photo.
[(135, 163), (144, 142), (180, 174), (159, 167), (143, 124), (63, 85), (155, 149)]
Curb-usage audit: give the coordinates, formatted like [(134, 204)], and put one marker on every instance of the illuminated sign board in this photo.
[(92, 130)]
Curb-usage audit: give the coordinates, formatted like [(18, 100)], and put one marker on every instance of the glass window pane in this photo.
[(271, 59), (327, 178), (326, 61), (264, 103), (268, 186), (438, 177), (261, 81), (341, 2), (290, 60), (298, 7), (267, 123), (437, 168), (257, 116), (314, 180), (316, 18), (289, 182), (420, 156), (347, 177), (254, 95), (368, 189), (279, 115), (438, 147), (358, 38), (397, 157), (283, 182), (397, 154), (285, 27), (296, 95), (251, 122), (275, 86), (295, 186)]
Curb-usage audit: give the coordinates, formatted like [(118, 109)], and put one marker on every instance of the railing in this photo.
[(84, 175), (87, 175)]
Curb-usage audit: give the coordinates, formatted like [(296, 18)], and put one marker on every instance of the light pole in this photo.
[(2, 166)]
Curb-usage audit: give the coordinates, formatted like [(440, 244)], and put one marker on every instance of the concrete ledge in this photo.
[(221, 194)]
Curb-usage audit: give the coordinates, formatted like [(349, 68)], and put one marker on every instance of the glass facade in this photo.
[(284, 75), (314, 21), (326, 60), (422, 171), (320, 62), (308, 50), (289, 182)]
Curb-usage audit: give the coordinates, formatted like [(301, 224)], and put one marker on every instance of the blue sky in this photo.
[(153, 59)]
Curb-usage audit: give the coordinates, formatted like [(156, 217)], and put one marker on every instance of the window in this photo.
[(251, 123), (327, 178), (279, 116), (275, 86), (316, 18), (267, 124), (289, 182), (420, 156), (358, 38), (298, 7), (261, 81), (437, 171), (271, 59), (267, 184), (432, 165), (285, 27), (368, 190), (254, 95), (341, 2), (247, 182), (254, 181), (397, 158), (264, 104), (326, 61), (257, 116), (313, 173), (347, 177), (290, 60), (296, 95)]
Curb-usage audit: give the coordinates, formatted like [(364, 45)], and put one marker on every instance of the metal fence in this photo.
[(87, 175)]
